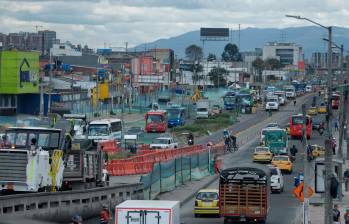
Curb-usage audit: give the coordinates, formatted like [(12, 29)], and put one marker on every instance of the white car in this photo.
[(272, 106), (163, 143), (276, 179)]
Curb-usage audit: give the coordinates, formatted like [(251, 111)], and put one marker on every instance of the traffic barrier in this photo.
[(109, 146)]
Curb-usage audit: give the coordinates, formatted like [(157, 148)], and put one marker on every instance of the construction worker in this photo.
[(104, 215)]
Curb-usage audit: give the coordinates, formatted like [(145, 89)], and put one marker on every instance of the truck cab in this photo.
[(27, 165), (156, 121), (272, 102)]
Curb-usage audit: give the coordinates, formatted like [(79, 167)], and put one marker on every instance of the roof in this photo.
[(34, 128), (148, 204), (160, 112), (86, 60), (208, 190), (164, 138), (105, 121)]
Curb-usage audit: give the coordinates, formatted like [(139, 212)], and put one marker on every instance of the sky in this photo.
[(111, 23)]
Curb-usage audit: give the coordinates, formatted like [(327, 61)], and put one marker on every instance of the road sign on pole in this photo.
[(298, 192)]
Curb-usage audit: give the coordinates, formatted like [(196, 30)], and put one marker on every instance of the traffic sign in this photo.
[(298, 192)]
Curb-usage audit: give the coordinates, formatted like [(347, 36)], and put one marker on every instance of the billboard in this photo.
[(214, 33), (19, 72)]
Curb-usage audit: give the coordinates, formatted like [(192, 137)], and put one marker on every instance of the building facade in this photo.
[(289, 54), (319, 60), (64, 50)]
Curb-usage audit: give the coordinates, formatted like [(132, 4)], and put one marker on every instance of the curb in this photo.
[(194, 193)]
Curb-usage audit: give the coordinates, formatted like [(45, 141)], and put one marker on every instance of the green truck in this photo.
[(276, 139)]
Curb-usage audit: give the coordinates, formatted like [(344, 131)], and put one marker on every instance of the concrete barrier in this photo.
[(61, 206)]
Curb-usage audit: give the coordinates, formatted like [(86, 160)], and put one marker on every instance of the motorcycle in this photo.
[(190, 141)]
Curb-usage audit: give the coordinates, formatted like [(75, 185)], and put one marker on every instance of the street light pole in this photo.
[(328, 155)]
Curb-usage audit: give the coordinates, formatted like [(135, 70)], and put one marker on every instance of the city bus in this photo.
[(335, 101), (296, 126)]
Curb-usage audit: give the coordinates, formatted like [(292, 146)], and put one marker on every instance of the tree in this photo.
[(211, 57), (194, 52), (218, 76), (231, 53), (258, 64), (272, 64)]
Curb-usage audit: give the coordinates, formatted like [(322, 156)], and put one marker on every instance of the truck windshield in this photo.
[(173, 114), (98, 130)]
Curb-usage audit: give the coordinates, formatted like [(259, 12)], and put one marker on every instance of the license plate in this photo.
[(207, 204)]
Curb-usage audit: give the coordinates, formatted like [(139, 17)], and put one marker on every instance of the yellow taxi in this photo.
[(322, 109), (317, 150), (283, 163), (312, 111), (206, 202), (262, 154)]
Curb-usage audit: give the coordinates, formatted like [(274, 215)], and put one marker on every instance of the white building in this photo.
[(64, 50), (286, 53)]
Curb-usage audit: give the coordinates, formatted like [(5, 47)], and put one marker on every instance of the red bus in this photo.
[(296, 126), (156, 121), (335, 101)]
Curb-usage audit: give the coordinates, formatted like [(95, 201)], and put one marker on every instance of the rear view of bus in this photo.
[(296, 126)]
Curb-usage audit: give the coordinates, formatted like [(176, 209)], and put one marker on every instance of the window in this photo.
[(273, 171), (21, 139), (98, 130), (54, 141), (116, 126), (43, 140), (207, 196)]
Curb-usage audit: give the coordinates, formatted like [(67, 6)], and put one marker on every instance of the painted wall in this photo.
[(19, 72)]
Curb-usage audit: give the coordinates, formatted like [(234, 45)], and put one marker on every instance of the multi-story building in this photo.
[(3, 40), (64, 50), (16, 40), (48, 39), (34, 41), (319, 60), (289, 54)]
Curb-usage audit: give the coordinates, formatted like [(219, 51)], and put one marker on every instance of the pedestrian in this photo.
[(309, 153), (336, 214), (334, 146), (294, 103), (346, 216), (346, 179), (336, 125), (104, 215)]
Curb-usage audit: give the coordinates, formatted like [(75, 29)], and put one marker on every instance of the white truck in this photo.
[(282, 97), (272, 102), (163, 143), (290, 91), (203, 108), (147, 212)]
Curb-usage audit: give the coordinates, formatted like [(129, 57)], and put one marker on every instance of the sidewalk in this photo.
[(316, 210)]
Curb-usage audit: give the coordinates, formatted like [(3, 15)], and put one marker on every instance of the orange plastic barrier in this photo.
[(109, 146)]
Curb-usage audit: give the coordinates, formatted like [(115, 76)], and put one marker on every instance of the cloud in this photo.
[(115, 22)]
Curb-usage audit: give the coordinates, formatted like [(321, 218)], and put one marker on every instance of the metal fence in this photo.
[(166, 176)]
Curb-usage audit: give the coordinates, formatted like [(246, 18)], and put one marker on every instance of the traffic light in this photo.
[(334, 187)]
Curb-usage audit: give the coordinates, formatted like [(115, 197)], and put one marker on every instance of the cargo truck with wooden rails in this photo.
[(244, 194)]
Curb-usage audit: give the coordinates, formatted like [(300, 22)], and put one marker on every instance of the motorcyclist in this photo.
[(190, 139), (321, 128)]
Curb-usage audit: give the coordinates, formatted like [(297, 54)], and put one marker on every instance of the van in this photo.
[(105, 129)]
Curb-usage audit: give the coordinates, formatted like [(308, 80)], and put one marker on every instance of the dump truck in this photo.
[(244, 194)]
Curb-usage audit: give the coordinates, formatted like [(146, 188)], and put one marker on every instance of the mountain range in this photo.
[(309, 37)]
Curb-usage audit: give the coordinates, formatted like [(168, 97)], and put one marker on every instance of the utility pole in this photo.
[(342, 109), (328, 143), (305, 169)]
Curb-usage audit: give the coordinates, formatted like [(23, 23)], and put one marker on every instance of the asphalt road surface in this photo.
[(284, 206)]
